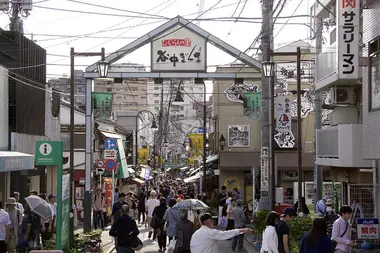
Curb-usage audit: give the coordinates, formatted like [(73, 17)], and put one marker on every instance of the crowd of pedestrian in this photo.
[(21, 228)]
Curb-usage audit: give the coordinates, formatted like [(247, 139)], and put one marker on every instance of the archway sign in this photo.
[(178, 50)]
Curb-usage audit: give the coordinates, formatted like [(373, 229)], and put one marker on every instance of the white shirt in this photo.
[(339, 227), (53, 209), (205, 240), (4, 222), (20, 207), (270, 240), (320, 207), (151, 204)]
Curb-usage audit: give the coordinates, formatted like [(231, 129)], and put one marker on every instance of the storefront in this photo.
[(9, 162)]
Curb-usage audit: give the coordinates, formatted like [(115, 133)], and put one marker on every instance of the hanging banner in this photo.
[(102, 104), (143, 155), (284, 114), (191, 161), (252, 104), (196, 143), (348, 38)]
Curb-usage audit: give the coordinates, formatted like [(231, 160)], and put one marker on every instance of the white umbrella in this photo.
[(39, 206)]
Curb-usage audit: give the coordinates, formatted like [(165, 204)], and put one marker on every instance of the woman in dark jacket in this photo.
[(316, 240), (184, 233), (159, 211), (141, 207)]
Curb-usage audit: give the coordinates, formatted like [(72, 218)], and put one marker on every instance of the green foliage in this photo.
[(79, 241), (298, 228), (259, 221)]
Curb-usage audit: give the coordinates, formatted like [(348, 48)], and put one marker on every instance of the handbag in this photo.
[(136, 243), (156, 222), (334, 243), (223, 222)]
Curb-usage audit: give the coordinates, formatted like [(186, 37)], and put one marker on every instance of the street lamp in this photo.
[(153, 127), (166, 143), (103, 68), (222, 142), (268, 71), (179, 100), (103, 71)]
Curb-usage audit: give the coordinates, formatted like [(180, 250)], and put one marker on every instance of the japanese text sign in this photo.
[(284, 114), (348, 38), (252, 104), (368, 228), (264, 174), (178, 49)]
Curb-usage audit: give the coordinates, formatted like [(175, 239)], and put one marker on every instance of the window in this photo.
[(374, 74), (156, 108), (156, 88), (156, 101), (143, 97), (156, 95), (109, 89)]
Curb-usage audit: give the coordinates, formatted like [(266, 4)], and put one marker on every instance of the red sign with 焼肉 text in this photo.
[(348, 4), (186, 42)]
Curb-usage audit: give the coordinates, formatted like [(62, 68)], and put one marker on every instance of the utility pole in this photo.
[(160, 124), (266, 41), (317, 112)]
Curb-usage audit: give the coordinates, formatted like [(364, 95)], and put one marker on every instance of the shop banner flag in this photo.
[(252, 104), (284, 114), (102, 104), (143, 155), (196, 143)]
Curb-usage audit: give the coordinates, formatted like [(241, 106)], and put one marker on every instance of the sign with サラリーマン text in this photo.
[(284, 114), (348, 31), (178, 49)]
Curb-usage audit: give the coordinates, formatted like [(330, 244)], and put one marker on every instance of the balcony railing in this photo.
[(341, 146)]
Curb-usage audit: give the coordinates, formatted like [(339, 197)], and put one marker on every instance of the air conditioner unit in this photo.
[(341, 95), (4, 5)]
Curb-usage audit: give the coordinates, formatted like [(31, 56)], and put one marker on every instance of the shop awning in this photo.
[(130, 169), (183, 168), (192, 179), (15, 161), (144, 171), (138, 180), (212, 158), (111, 135)]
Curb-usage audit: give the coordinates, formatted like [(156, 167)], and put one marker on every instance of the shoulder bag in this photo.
[(334, 243)]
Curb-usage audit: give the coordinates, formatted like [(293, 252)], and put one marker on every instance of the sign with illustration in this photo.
[(252, 104), (285, 139), (348, 38), (102, 104), (178, 49), (196, 143), (235, 92), (239, 136), (143, 154), (232, 182), (284, 114), (48, 153), (368, 229)]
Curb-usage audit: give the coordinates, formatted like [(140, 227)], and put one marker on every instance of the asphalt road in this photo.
[(151, 246)]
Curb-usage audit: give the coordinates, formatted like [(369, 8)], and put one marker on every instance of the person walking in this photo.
[(15, 217), (159, 227), (320, 206), (240, 220), (150, 205), (184, 233), (270, 238), (317, 239), (19, 206), (125, 230), (283, 230), (141, 207), (341, 232), (97, 205), (205, 239), (116, 208), (222, 199), (5, 228), (172, 218), (230, 217)]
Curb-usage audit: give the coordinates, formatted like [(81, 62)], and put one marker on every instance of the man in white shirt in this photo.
[(150, 204), (320, 207), (19, 206), (5, 223), (341, 232), (205, 239)]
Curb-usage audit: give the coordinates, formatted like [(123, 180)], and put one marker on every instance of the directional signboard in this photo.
[(110, 143), (110, 164), (110, 154)]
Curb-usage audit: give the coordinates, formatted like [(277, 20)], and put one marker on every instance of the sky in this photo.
[(58, 30)]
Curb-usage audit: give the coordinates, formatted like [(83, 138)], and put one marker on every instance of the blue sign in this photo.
[(110, 143), (200, 130), (365, 221), (110, 164)]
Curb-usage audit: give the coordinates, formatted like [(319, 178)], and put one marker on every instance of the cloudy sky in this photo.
[(55, 25)]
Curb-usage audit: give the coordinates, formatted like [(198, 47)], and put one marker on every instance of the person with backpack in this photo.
[(98, 204), (316, 240), (341, 232), (330, 216)]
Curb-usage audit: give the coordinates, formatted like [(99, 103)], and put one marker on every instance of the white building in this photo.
[(183, 118)]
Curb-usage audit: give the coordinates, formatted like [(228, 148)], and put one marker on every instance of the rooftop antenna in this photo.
[(16, 10)]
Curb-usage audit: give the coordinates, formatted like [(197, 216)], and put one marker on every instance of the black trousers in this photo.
[(161, 237), (3, 247), (143, 216), (46, 236)]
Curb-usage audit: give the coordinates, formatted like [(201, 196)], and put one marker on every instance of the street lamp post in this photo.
[(269, 71), (102, 71), (153, 127), (179, 99)]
